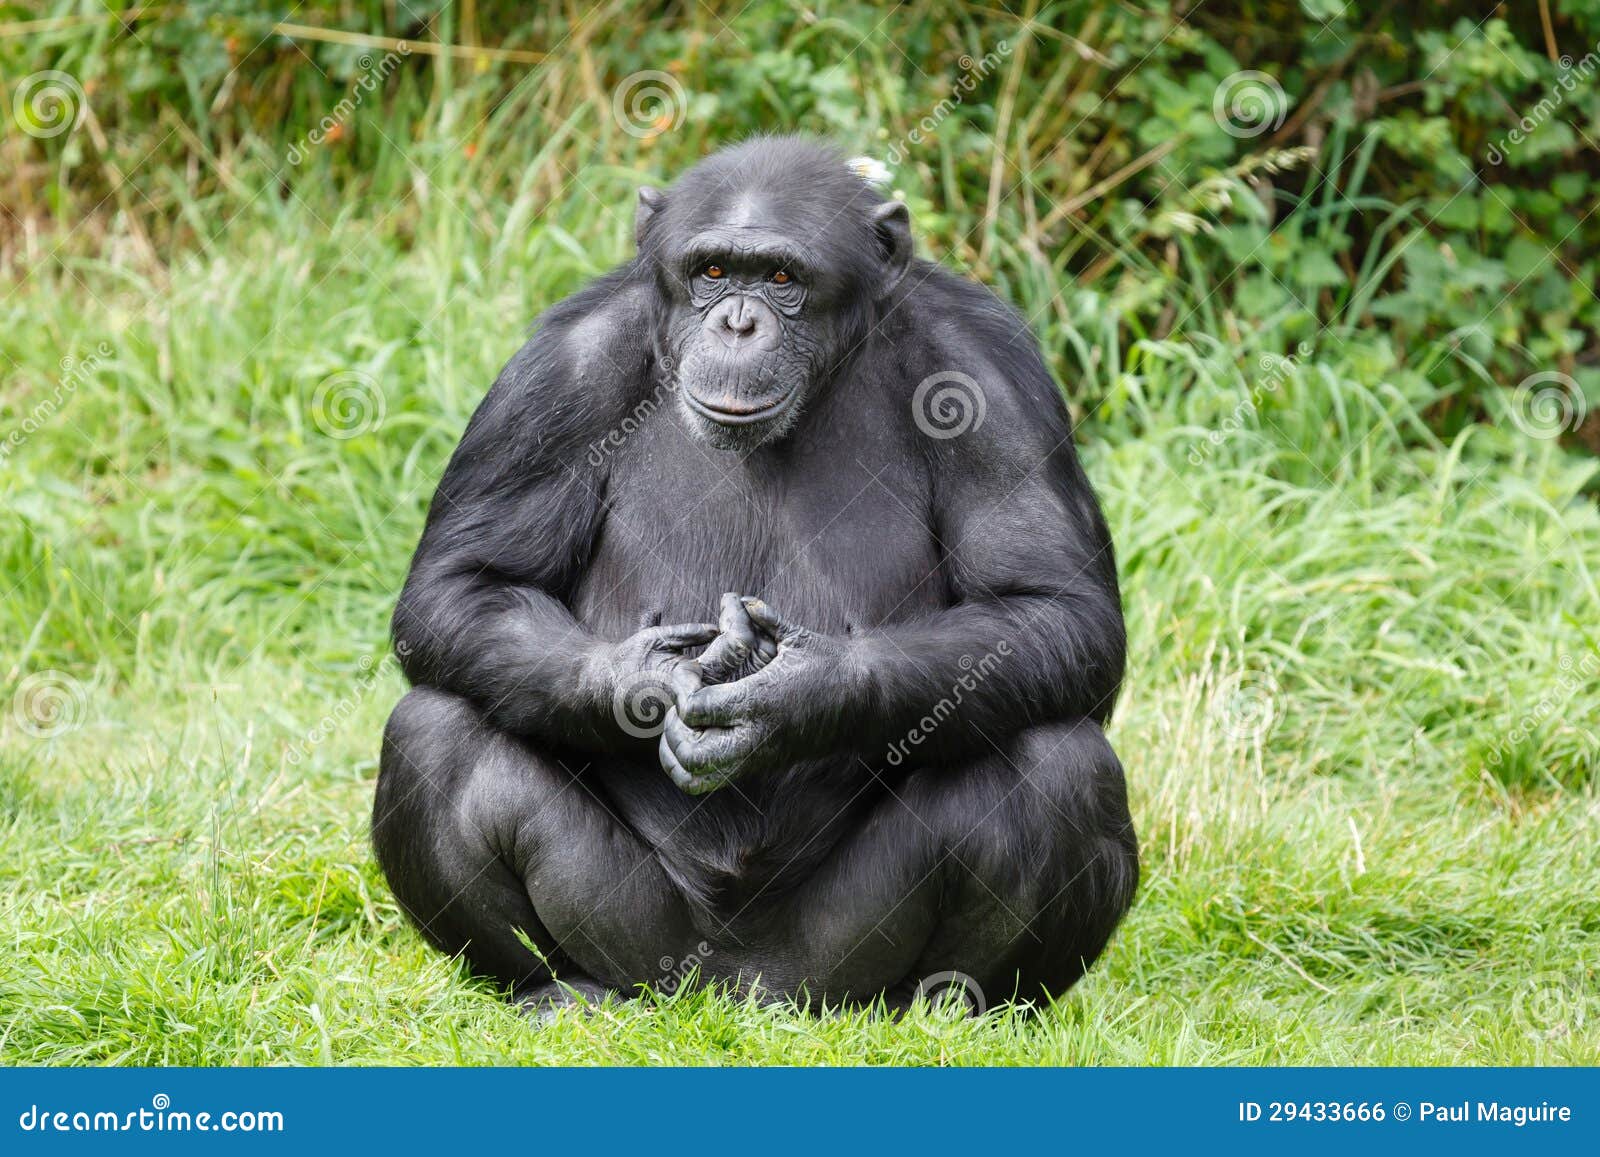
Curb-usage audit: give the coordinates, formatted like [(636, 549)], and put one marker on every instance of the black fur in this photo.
[(904, 735)]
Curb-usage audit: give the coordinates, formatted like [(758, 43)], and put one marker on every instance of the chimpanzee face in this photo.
[(764, 295), (750, 339)]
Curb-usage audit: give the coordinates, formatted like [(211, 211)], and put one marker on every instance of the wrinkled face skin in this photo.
[(766, 285), (748, 337)]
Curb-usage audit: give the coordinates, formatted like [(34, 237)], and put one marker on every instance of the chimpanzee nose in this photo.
[(744, 324), (741, 319)]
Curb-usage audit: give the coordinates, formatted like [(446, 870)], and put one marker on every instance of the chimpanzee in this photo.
[(884, 761)]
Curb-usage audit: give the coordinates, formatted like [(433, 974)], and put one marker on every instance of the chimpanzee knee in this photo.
[(440, 850), (1042, 861)]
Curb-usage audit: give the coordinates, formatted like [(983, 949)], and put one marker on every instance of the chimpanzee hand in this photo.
[(778, 714), (639, 678), (740, 648)]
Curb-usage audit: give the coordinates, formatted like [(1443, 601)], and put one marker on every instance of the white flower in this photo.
[(870, 170)]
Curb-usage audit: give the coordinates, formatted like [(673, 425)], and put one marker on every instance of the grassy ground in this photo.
[(1359, 726)]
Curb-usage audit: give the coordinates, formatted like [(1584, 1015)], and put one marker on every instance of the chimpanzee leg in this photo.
[(1045, 864), (1009, 873), (485, 841)]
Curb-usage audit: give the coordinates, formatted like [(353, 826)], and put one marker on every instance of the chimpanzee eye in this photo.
[(780, 278), (712, 272)]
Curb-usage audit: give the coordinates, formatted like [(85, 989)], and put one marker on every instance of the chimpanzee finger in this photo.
[(721, 661), (685, 756), (685, 635), (769, 620), (720, 705), (686, 679), (719, 755), (735, 641), (671, 764), (679, 737), (736, 619), (731, 617), (711, 781), (764, 647)]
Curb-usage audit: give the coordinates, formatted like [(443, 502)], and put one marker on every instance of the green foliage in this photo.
[(1427, 172)]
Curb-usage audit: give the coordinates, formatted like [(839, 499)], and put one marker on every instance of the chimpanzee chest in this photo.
[(835, 539)]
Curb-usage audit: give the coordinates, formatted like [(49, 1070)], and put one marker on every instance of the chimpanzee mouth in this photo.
[(731, 413)]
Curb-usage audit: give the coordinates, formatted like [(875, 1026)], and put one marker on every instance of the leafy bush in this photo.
[(1424, 173)]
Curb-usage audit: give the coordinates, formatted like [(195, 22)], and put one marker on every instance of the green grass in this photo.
[(1359, 727)]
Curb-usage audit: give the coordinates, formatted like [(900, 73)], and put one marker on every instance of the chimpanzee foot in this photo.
[(542, 1003)]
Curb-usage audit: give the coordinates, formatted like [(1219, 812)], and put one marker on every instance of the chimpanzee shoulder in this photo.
[(949, 328)]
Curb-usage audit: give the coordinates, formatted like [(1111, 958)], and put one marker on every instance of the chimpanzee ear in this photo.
[(650, 201), (892, 223)]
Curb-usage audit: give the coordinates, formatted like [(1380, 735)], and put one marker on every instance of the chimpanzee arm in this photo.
[(1035, 634), (510, 530)]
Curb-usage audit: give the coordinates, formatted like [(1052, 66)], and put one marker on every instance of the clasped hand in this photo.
[(741, 704)]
